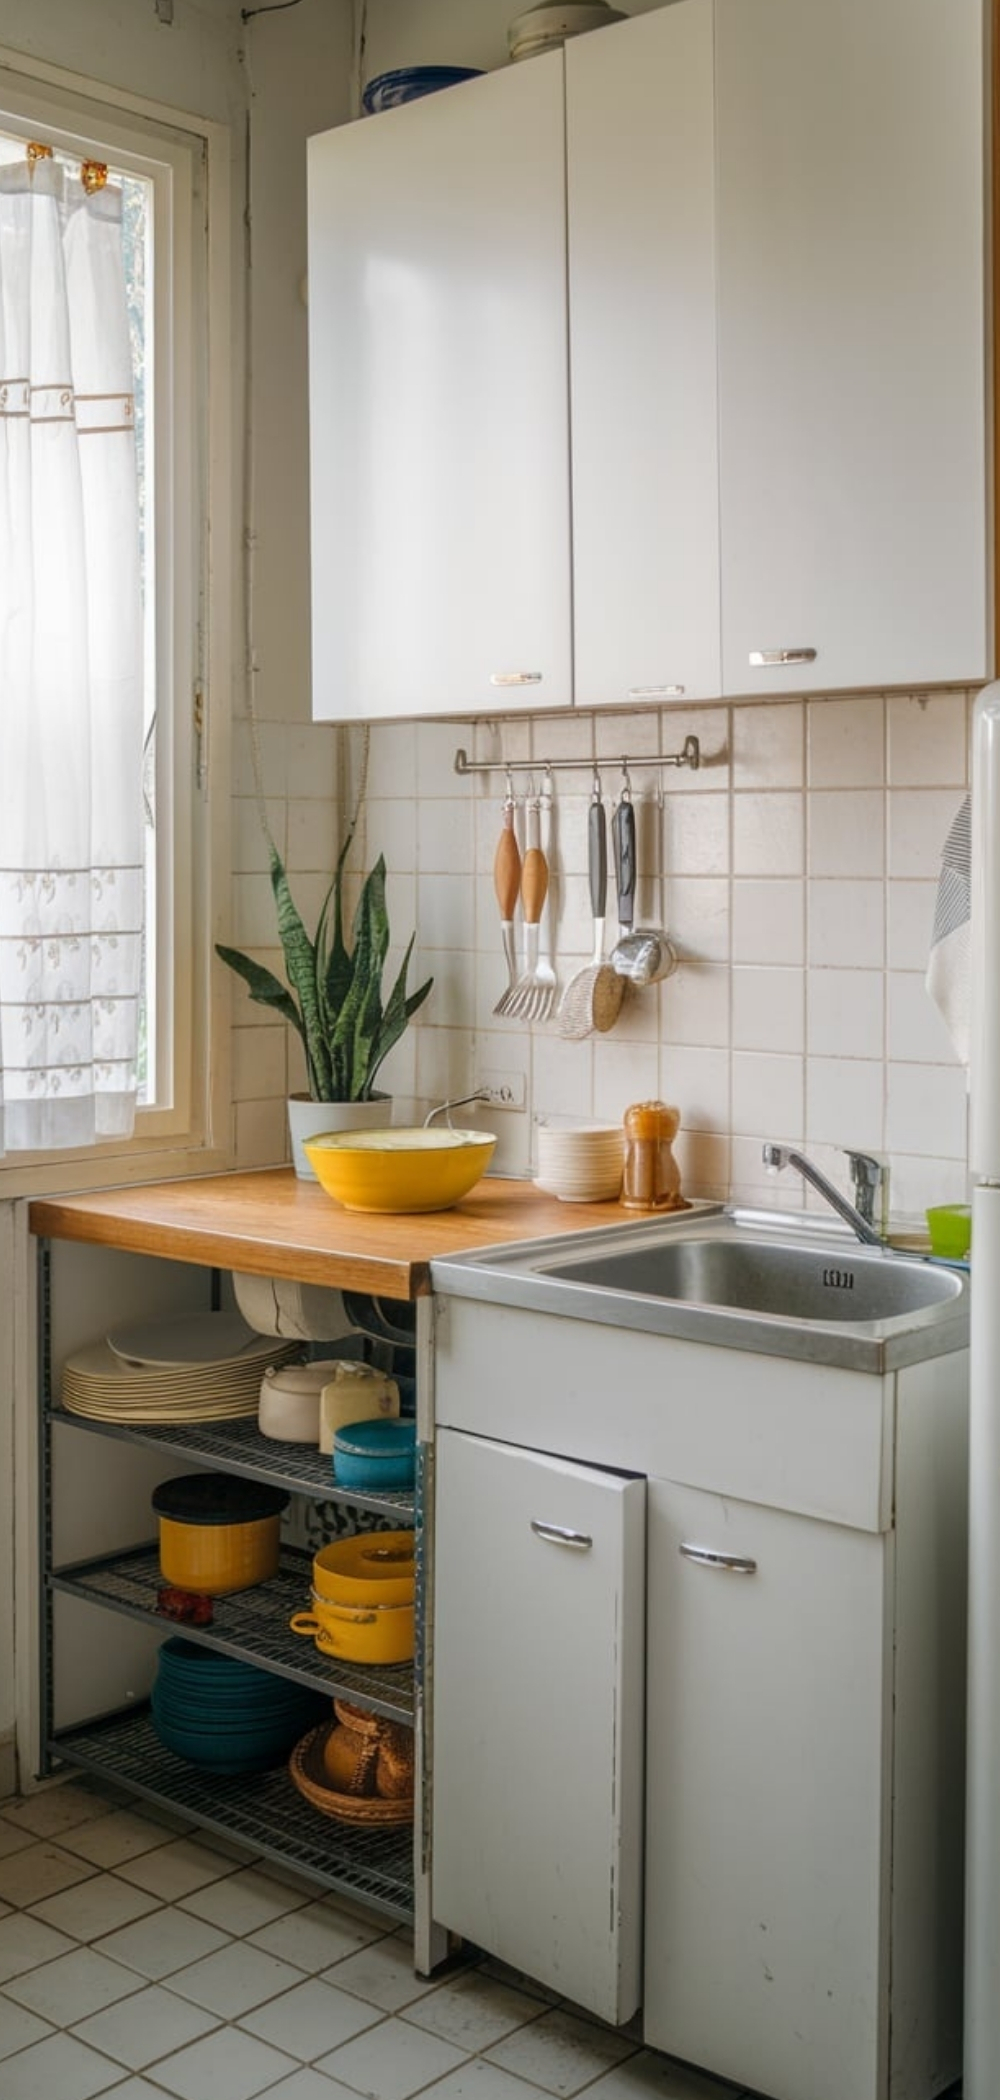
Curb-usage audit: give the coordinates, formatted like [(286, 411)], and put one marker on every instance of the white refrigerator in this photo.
[(982, 1905)]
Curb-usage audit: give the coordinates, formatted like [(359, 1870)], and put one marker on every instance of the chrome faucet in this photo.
[(867, 1174)]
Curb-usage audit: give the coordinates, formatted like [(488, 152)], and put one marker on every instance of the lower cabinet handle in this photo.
[(558, 1535), (762, 658), (655, 692), (706, 1557)]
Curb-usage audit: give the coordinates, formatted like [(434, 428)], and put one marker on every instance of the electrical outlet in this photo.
[(502, 1089)]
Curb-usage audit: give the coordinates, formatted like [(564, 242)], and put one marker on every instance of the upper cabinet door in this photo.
[(641, 179), (438, 402), (851, 342)]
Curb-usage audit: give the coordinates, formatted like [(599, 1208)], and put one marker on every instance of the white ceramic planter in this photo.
[(308, 1119)]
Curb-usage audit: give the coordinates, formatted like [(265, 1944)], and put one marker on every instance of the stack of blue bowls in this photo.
[(228, 1715)]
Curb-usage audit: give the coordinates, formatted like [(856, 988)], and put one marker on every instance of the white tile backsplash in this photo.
[(845, 1102), (846, 1013), (910, 916), (927, 1111), (768, 921), (697, 916), (767, 834), (768, 1009), (846, 742), (927, 740), (768, 1095), (846, 924), (695, 834), (810, 834), (768, 749), (847, 833), (919, 822)]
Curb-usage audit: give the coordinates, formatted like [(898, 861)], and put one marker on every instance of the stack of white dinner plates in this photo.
[(203, 1368)]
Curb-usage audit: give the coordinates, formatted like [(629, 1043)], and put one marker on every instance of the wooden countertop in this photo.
[(269, 1223)]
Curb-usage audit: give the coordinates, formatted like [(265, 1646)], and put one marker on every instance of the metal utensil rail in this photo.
[(689, 755)]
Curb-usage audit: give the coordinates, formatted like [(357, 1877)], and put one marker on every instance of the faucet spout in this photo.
[(776, 1157)]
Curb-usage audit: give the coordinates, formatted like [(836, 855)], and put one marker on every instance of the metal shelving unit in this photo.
[(238, 1447), (261, 1809), (251, 1624)]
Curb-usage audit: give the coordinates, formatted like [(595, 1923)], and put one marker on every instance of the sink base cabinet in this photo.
[(769, 1794), (803, 1698), (538, 1633)]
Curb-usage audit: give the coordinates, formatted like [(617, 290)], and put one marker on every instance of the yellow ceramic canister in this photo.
[(371, 1567), (375, 1633), (218, 1533)]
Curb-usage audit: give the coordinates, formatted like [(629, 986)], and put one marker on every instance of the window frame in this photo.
[(188, 159)]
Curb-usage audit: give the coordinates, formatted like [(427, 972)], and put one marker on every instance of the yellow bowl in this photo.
[(399, 1170)]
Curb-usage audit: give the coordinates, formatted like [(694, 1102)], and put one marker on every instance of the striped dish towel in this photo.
[(948, 967)]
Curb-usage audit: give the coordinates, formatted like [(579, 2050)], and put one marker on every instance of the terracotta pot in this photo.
[(308, 1118)]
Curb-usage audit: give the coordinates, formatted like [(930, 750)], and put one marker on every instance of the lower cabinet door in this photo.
[(768, 1795), (538, 1716)]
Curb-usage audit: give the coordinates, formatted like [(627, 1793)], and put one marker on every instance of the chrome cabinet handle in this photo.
[(656, 692), (558, 1535), (706, 1557), (515, 677), (762, 658)]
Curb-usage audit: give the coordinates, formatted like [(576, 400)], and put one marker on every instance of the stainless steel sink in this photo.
[(797, 1283), (740, 1279)]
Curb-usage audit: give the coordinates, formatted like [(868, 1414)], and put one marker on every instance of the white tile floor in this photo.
[(140, 1959)]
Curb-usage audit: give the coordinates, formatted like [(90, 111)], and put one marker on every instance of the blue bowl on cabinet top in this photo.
[(407, 83), (376, 1457)]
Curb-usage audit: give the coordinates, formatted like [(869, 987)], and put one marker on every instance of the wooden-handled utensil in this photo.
[(507, 888), (531, 998)]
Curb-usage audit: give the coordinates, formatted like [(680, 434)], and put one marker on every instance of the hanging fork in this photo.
[(507, 884)]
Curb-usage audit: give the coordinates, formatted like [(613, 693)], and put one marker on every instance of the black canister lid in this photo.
[(217, 1498)]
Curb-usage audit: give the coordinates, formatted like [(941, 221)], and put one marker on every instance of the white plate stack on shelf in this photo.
[(202, 1368), (580, 1163), (545, 28)]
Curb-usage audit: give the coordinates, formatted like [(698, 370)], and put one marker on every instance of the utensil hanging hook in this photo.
[(596, 792), (509, 796), (626, 782)]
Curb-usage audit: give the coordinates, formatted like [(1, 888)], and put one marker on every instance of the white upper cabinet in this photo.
[(657, 367), (641, 194), (851, 342), (438, 403)]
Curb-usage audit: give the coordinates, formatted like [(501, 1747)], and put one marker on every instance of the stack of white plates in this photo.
[(204, 1369), (581, 1164), (545, 28)]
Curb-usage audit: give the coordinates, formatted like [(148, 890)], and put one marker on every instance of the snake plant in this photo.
[(333, 997)]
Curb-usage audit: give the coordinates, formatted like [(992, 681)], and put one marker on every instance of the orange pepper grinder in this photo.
[(652, 1178)]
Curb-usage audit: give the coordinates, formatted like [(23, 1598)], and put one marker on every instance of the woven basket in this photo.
[(307, 1773)]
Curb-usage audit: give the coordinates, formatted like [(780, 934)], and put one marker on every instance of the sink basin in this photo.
[(737, 1279), (796, 1283)]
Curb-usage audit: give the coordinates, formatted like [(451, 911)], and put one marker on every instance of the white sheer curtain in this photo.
[(71, 836)]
